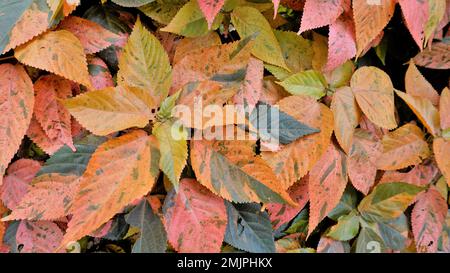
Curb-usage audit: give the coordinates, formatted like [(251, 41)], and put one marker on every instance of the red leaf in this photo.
[(51, 114), (195, 218), (282, 213)]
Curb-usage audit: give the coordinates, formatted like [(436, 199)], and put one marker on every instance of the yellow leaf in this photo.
[(425, 111), (172, 139), (374, 93), (144, 63), (59, 52), (249, 21), (112, 109)]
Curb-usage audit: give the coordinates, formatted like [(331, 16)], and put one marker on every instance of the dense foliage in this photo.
[(111, 138)]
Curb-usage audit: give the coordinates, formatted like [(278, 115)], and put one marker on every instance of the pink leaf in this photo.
[(17, 181), (341, 42), (210, 9), (416, 15), (427, 220), (319, 13), (38, 237)]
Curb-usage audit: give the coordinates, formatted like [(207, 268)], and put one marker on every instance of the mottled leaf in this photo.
[(16, 104), (327, 182), (374, 93), (48, 198), (403, 147), (120, 171), (195, 219)]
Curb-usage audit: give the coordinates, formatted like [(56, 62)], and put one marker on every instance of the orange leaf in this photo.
[(92, 36), (231, 170), (222, 60), (362, 170), (34, 21), (444, 109), (427, 220), (327, 182), (441, 149), (416, 85), (194, 218), (49, 197), (190, 44), (294, 160), (346, 116), (402, 148), (374, 93), (51, 114), (424, 110), (59, 52), (120, 171), (370, 20), (16, 106)]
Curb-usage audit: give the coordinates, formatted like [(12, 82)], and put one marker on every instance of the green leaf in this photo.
[(248, 21), (190, 21), (388, 201), (153, 237), (300, 223), (132, 3), (249, 228), (144, 63), (286, 130), (163, 11), (297, 52), (172, 138), (346, 228), (66, 161), (10, 13), (309, 82), (369, 241), (347, 203), (165, 110), (107, 16)]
